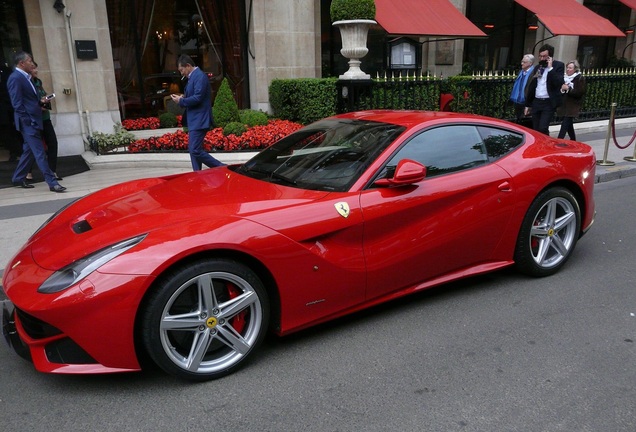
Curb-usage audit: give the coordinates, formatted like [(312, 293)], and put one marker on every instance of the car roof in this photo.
[(410, 118)]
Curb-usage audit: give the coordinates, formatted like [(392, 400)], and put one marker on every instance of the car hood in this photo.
[(215, 196)]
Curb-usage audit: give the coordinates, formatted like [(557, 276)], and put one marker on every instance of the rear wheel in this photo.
[(205, 319), (548, 233)]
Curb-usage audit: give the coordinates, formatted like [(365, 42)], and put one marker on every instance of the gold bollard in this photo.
[(632, 158), (605, 162)]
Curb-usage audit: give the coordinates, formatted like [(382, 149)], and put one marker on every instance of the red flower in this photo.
[(141, 123), (255, 138)]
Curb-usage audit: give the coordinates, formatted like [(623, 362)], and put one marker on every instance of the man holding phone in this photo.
[(49, 136), (197, 102), (544, 91)]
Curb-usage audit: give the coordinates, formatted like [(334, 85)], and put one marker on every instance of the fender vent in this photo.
[(81, 227)]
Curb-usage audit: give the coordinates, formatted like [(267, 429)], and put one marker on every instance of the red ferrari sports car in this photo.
[(190, 271)]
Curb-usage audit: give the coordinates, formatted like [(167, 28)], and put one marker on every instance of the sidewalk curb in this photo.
[(614, 172)]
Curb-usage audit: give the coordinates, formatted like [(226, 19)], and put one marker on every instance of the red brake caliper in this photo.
[(534, 243), (238, 321)]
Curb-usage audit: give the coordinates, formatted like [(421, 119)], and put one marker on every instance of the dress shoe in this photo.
[(23, 184), (57, 188)]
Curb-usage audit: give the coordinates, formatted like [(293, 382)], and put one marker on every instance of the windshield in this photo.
[(329, 155)]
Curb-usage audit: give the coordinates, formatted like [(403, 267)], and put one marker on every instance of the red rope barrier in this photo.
[(616, 142)]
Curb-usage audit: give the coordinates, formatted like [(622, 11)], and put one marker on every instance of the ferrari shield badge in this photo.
[(342, 208)]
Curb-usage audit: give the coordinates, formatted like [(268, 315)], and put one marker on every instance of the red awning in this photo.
[(568, 17), (424, 18), (629, 3)]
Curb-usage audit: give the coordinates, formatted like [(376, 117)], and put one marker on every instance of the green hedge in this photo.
[(225, 109), (168, 120), (352, 9), (234, 128), (409, 94), (303, 100), (488, 96), (250, 117), (311, 99), (603, 90)]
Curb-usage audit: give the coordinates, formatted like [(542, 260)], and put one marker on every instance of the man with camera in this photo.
[(544, 91)]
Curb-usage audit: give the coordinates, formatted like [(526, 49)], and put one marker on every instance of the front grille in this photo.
[(35, 328)]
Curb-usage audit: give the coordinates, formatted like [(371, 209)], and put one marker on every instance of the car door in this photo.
[(451, 220)]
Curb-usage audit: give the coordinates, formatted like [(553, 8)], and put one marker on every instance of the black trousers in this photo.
[(50, 138), (542, 113), (567, 127)]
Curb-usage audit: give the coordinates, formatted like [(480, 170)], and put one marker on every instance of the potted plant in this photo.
[(353, 18)]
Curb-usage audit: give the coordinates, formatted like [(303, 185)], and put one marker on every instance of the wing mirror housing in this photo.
[(407, 172)]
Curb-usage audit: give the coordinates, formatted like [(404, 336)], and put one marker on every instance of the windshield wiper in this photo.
[(283, 178), (271, 174)]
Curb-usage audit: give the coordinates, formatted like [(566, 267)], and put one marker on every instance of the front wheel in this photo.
[(548, 233), (205, 319)]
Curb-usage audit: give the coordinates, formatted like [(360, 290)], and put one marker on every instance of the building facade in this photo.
[(107, 60)]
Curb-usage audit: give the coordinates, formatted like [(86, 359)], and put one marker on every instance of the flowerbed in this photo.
[(256, 138), (145, 123)]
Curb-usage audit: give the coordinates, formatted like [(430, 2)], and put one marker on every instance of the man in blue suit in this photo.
[(27, 108), (197, 101)]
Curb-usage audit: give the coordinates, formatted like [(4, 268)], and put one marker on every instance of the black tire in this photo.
[(204, 320), (549, 233)]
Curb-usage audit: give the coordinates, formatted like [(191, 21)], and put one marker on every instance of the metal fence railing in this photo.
[(486, 93)]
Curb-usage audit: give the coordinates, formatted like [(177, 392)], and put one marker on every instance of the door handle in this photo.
[(505, 187)]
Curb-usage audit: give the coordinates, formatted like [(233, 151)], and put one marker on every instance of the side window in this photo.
[(499, 142), (444, 150)]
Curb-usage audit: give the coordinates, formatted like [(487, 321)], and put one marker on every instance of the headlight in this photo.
[(73, 273)]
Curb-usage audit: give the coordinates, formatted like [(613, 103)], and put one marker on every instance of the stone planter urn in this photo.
[(354, 45)]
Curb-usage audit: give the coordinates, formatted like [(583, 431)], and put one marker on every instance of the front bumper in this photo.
[(49, 350), (83, 329)]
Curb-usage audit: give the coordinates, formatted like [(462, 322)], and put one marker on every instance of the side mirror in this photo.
[(407, 172)]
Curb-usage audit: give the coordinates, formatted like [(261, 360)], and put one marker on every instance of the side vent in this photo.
[(81, 227)]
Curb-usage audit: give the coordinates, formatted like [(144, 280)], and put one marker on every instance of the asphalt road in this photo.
[(501, 352)]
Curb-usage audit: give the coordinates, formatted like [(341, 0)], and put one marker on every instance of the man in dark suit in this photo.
[(197, 101), (27, 107), (544, 92), (11, 137)]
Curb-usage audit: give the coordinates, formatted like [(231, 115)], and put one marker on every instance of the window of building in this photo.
[(13, 32), (149, 35), (597, 52), (505, 24), (404, 54), (13, 38)]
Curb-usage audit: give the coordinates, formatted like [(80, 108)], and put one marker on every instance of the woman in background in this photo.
[(573, 90)]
